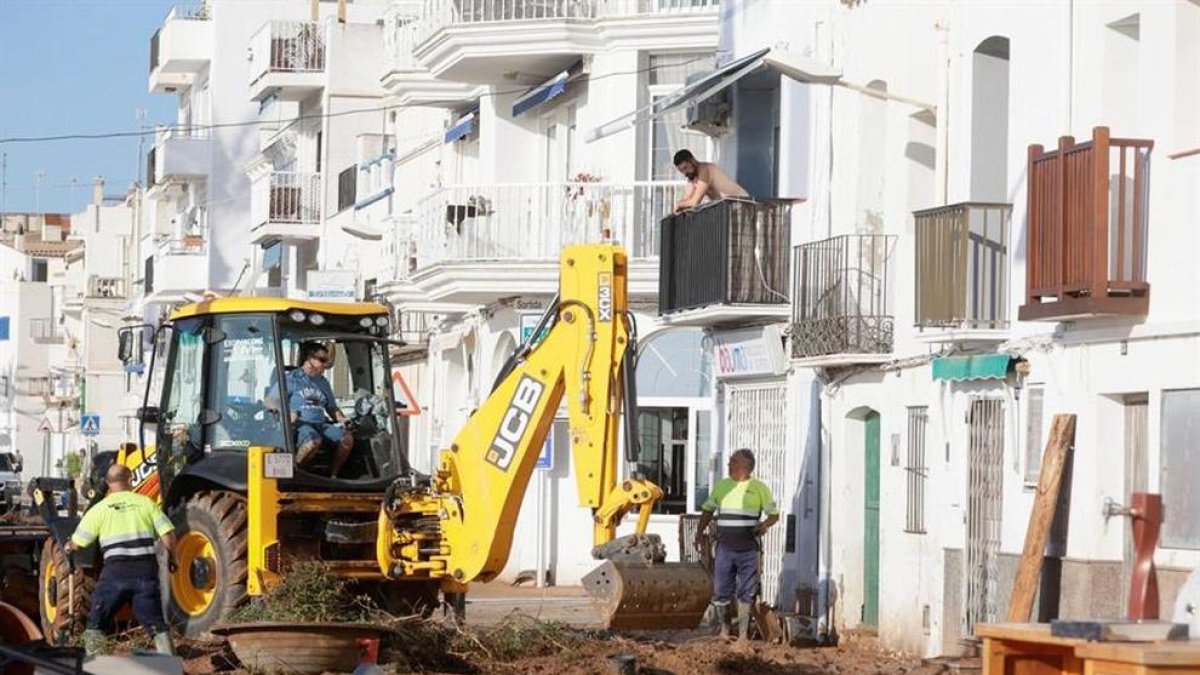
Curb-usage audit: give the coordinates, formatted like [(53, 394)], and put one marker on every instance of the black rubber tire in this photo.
[(70, 620), (221, 517)]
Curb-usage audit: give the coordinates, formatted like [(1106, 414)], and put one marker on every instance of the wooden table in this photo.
[(1030, 649)]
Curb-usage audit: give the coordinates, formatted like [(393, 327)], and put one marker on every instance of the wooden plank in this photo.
[(1062, 437)]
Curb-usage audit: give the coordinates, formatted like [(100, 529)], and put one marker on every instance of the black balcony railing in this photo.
[(843, 303), (731, 252)]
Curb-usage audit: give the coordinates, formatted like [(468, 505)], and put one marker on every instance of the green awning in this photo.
[(980, 367)]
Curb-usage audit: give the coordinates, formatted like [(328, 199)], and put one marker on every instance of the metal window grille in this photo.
[(918, 421), (985, 485), (1035, 397)]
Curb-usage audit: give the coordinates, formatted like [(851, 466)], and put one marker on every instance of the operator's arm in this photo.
[(331, 405), (706, 516), (769, 508), (86, 531), (166, 534), (698, 188)]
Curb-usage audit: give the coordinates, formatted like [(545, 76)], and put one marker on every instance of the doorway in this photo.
[(1137, 447), (870, 610), (985, 483)]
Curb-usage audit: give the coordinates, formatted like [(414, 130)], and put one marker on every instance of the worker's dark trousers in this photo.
[(112, 592), (735, 573)]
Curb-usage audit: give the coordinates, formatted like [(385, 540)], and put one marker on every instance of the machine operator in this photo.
[(738, 502), (127, 524), (312, 404)]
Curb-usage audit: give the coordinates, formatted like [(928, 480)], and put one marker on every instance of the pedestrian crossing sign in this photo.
[(89, 424)]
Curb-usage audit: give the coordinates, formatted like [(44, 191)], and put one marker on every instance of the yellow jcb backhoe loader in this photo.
[(222, 461)]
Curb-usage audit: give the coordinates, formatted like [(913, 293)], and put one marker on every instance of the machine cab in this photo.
[(228, 382)]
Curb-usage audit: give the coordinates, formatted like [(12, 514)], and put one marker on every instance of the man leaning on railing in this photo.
[(705, 180)]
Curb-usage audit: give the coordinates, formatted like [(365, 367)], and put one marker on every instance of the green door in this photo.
[(870, 610)]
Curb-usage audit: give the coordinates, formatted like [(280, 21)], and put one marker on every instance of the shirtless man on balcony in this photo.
[(707, 180)]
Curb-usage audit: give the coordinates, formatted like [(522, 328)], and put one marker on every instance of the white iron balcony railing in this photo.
[(287, 47), (106, 287), (191, 131), (400, 38), (439, 14), (286, 197), (534, 221), (45, 330), (613, 8)]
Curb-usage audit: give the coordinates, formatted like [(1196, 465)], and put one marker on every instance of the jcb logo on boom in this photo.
[(604, 303), (515, 423), (141, 473)]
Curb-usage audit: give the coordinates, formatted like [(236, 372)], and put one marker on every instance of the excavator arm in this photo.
[(477, 490)]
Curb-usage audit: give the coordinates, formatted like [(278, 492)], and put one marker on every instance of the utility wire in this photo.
[(13, 140)]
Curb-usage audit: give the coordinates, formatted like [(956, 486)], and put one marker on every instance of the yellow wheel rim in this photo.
[(50, 593), (194, 582)]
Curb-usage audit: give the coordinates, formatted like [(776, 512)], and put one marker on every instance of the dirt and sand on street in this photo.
[(556, 631)]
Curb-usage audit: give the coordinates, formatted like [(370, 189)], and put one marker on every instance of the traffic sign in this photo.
[(89, 424), (45, 427), (545, 460)]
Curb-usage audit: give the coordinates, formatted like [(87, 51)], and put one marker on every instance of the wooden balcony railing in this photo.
[(962, 266), (731, 252), (1086, 251), (843, 302)]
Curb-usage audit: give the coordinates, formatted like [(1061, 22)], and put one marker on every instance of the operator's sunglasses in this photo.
[(322, 359)]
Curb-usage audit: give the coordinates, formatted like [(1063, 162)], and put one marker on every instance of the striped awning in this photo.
[(547, 90), (464, 126), (971, 368)]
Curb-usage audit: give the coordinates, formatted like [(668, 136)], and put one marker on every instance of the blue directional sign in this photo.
[(89, 424), (545, 460)]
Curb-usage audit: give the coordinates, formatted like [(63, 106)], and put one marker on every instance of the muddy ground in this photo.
[(584, 653), (556, 631)]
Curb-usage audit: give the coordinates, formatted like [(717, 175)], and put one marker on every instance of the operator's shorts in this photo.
[(735, 573), (322, 431)]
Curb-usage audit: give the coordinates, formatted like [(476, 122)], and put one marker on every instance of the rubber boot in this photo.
[(744, 620), (722, 612), (93, 642), (162, 644)]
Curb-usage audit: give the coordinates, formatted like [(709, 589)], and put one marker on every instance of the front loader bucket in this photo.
[(650, 596)]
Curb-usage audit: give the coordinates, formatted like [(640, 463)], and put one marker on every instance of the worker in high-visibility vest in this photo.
[(738, 503), (127, 524)]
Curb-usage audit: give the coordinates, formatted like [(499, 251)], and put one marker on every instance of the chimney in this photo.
[(98, 190)]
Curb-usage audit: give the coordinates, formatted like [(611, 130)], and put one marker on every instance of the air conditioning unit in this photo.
[(710, 115)]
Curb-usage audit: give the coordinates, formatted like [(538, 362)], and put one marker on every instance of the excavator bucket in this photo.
[(650, 596)]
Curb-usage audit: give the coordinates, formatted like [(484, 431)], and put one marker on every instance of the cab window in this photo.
[(243, 387)]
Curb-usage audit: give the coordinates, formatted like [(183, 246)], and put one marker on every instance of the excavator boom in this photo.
[(479, 485)]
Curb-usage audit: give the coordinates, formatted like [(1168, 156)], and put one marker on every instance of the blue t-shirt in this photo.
[(310, 397)]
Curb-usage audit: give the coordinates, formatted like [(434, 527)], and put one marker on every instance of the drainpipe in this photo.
[(943, 112), (824, 562)]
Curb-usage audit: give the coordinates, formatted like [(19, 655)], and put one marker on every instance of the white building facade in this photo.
[(952, 288)]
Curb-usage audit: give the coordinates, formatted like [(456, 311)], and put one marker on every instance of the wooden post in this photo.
[(1034, 199), (1063, 199), (1062, 437), (1099, 235), (315, 8)]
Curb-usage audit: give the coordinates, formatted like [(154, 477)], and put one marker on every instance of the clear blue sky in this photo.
[(75, 66)]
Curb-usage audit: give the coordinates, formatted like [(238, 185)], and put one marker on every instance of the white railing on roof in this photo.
[(438, 14), (611, 8), (534, 221), (287, 47)]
